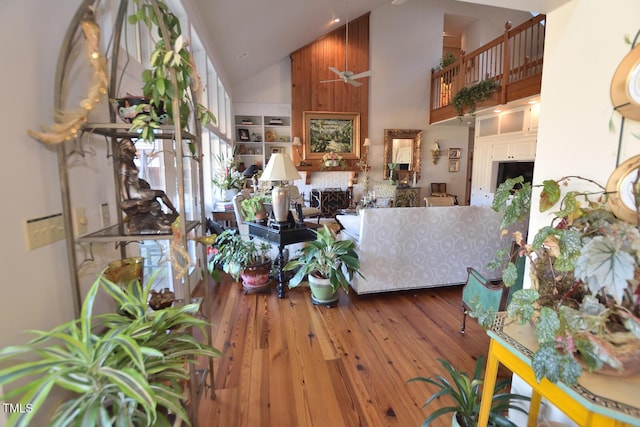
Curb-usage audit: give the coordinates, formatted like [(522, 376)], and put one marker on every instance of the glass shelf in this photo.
[(114, 234), (121, 130)]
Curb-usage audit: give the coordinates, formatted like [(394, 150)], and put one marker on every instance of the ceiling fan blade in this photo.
[(335, 70), (361, 75), (354, 83), (329, 81)]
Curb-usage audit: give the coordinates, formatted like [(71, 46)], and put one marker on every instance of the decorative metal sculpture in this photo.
[(139, 200)]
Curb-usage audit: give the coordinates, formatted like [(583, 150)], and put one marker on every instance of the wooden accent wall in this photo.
[(310, 64)]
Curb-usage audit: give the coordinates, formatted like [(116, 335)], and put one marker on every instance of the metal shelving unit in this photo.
[(118, 233)]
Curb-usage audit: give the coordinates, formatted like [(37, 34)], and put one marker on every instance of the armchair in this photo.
[(494, 296)]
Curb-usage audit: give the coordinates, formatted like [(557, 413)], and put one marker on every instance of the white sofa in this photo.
[(412, 248)]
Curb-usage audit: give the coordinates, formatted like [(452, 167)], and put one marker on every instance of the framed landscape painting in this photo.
[(327, 132)]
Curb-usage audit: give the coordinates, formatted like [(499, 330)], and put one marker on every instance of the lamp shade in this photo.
[(367, 142), (296, 141), (280, 168)]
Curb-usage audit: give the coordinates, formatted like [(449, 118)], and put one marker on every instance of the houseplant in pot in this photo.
[(227, 178), (172, 82), (325, 261), (584, 275), (253, 208), (122, 368), (466, 393), (244, 259)]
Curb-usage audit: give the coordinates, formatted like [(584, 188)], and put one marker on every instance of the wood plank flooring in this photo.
[(287, 362)]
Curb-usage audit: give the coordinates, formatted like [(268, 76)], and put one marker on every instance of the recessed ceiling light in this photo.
[(336, 20), (497, 110), (533, 101)]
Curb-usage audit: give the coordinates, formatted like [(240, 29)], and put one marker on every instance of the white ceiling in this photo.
[(249, 36)]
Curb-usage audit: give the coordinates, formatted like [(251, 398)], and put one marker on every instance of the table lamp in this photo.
[(280, 169)]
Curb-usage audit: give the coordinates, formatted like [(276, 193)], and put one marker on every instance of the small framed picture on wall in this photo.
[(454, 165), (454, 153)]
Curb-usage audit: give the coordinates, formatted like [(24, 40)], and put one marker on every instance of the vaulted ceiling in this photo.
[(249, 36)]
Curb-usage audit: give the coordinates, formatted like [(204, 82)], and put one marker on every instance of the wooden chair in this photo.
[(297, 199), (439, 201), (491, 296), (438, 189)]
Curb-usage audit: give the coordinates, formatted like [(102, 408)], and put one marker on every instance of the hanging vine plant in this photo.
[(471, 96), (167, 91)]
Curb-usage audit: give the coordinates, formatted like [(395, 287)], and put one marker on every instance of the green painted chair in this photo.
[(493, 296)]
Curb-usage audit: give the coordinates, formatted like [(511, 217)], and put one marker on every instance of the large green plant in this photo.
[(471, 96), (466, 394), (120, 367), (325, 258), (172, 81), (234, 254), (254, 206), (583, 270)]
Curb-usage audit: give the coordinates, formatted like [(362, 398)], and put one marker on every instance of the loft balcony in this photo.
[(513, 60)]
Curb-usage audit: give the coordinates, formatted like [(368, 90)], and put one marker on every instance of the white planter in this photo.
[(227, 195)]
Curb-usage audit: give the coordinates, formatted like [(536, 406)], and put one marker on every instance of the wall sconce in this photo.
[(435, 153), (367, 143), (297, 144)]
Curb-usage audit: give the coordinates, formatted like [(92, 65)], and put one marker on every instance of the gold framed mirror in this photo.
[(404, 148)]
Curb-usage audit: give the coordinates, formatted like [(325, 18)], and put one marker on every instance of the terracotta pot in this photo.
[(256, 275)]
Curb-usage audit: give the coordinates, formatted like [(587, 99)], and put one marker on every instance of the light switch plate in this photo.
[(43, 231)]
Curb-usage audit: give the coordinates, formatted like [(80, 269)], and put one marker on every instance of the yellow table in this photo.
[(597, 400)]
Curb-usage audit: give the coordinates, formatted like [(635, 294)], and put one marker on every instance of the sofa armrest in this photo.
[(352, 225)]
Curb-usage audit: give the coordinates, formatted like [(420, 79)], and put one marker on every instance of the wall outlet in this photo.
[(43, 231), (105, 218)]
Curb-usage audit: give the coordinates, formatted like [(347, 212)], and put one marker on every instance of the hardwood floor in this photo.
[(287, 362)]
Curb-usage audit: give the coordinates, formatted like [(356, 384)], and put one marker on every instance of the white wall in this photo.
[(584, 45), (267, 87), (35, 283)]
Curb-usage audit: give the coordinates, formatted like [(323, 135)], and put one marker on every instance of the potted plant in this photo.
[(471, 96), (584, 269), (128, 367), (332, 160), (253, 208), (172, 84), (244, 259), (446, 60), (325, 261), (466, 394), (228, 178)]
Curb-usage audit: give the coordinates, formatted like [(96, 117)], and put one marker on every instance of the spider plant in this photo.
[(122, 369)]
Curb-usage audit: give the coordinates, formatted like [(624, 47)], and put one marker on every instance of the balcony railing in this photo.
[(519, 51)]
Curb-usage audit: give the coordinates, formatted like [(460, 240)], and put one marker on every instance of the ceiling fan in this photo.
[(346, 75)]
